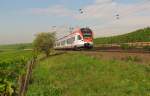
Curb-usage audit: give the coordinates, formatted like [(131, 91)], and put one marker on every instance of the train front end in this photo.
[(87, 35)]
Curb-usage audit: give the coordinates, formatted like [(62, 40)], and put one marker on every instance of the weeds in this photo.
[(147, 48), (132, 59)]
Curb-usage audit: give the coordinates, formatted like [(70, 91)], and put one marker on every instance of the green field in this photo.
[(142, 35), (75, 74), (16, 46), (12, 65)]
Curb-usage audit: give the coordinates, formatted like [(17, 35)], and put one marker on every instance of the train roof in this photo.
[(76, 30), (73, 32)]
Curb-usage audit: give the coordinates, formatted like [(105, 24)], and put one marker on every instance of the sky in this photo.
[(21, 20)]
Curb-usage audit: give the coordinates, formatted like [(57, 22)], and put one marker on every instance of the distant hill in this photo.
[(142, 35), (16, 46)]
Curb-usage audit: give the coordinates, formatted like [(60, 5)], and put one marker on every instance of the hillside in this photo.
[(142, 35)]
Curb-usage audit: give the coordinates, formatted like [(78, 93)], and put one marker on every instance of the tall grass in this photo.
[(74, 74)]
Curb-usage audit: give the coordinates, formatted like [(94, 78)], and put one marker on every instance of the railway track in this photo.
[(122, 51), (118, 49), (111, 49)]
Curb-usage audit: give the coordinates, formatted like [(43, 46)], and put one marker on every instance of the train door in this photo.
[(79, 41)]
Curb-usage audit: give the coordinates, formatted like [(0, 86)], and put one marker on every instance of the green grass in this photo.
[(142, 35), (74, 74)]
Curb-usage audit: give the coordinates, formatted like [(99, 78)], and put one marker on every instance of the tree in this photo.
[(44, 42)]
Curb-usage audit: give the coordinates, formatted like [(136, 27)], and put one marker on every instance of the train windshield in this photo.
[(86, 32)]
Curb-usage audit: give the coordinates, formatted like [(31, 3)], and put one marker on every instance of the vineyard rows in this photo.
[(12, 66)]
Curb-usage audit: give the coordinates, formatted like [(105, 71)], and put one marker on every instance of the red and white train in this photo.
[(79, 38)]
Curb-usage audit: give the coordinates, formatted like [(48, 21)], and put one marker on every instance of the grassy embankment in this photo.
[(142, 35), (74, 74)]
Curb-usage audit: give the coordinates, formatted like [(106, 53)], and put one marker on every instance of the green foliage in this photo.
[(132, 59), (126, 46), (147, 48), (12, 65), (142, 35), (6, 88), (44, 42), (2, 87), (74, 74)]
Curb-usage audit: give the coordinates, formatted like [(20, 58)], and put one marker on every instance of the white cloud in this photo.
[(101, 9), (105, 9), (57, 10), (122, 26), (132, 16), (103, 1)]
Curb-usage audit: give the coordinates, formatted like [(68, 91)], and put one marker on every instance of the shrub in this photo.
[(125, 46), (147, 48), (133, 59), (44, 42)]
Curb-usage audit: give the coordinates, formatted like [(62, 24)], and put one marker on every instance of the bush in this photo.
[(126, 46), (147, 48), (133, 59), (44, 42)]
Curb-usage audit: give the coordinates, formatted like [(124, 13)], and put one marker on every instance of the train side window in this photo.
[(73, 39), (68, 41), (79, 37)]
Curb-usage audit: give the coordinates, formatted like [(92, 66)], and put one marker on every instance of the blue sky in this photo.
[(20, 20)]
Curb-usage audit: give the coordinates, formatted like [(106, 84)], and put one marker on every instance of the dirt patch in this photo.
[(143, 58)]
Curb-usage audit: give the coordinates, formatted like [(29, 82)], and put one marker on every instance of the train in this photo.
[(77, 39)]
